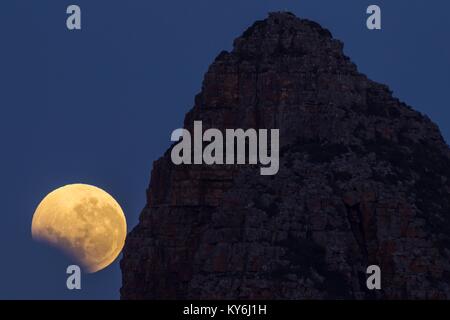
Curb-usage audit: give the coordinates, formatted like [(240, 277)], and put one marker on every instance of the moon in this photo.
[(85, 222)]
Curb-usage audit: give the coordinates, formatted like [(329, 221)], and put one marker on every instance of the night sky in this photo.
[(97, 106)]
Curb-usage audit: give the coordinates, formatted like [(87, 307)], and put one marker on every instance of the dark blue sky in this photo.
[(97, 106)]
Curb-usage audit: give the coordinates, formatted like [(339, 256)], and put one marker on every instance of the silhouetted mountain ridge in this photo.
[(363, 179)]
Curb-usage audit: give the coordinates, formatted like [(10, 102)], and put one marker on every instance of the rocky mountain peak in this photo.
[(363, 180), (281, 33)]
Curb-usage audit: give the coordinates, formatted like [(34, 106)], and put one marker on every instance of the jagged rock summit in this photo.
[(363, 180)]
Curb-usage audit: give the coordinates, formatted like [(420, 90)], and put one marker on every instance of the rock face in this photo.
[(363, 180)]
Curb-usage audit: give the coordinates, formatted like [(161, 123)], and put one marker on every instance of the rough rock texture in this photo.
[(363, 180)]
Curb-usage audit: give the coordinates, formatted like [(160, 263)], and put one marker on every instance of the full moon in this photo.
[(85, 222)]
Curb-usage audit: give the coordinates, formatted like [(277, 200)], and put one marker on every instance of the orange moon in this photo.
[(83, 221)]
